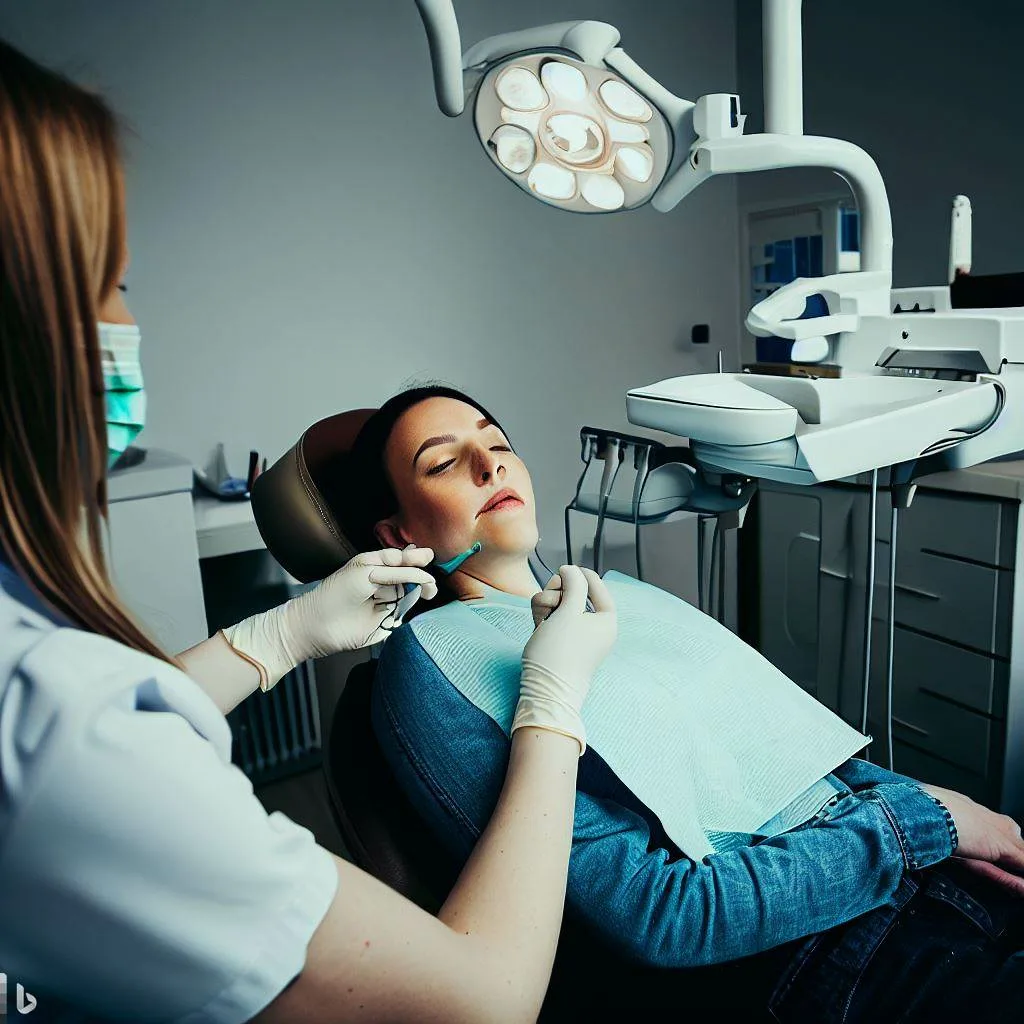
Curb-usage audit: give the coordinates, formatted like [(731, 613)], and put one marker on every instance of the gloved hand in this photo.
[(567, 646), (354, 607)]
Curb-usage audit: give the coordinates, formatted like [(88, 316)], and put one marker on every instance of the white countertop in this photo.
[(991, 479), (225, 527), (160, 472)]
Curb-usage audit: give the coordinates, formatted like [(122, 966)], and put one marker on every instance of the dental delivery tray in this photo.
[(807, 430)]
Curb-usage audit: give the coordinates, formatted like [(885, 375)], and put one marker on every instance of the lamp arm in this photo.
[(764, 152), (589, 40), (445, 44)]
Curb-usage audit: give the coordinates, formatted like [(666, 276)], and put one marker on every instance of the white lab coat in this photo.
[(140, 877)]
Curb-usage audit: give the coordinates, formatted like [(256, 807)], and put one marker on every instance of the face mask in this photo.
[(122, 382)]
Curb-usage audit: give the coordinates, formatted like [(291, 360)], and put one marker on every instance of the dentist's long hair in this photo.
[(62, 247)]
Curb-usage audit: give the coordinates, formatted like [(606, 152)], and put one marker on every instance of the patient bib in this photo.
[(700, 727)]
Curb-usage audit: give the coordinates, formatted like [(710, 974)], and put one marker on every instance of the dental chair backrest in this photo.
[(303, 506), (303, 502)]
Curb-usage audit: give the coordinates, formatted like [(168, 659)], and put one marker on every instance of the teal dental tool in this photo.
[(412, 590), (454, 563)]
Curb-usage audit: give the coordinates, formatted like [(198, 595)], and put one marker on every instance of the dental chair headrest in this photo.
[(303, 504)]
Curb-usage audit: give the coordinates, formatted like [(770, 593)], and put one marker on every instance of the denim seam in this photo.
[(426, 776), (827, 807), (805, 954), (909, 859), (954, 835)]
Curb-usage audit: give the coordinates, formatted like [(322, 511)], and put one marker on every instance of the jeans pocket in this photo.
[(820, 983)]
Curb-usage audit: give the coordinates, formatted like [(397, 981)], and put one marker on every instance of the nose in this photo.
[(491, 465)]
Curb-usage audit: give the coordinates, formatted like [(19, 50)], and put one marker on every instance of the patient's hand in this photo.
[(990, 843)]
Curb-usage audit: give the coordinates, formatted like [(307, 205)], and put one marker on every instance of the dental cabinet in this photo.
[(958, 691)]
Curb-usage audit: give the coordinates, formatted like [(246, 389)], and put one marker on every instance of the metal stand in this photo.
[(891, 640), (870, 609), (700, 562), (638, 492), (611, 470)]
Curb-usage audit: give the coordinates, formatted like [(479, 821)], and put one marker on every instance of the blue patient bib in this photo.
[(700, 727)]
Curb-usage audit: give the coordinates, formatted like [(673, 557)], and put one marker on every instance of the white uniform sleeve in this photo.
[(140, 877)]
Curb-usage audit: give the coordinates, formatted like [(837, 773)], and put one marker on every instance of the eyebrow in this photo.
[(432, 442)]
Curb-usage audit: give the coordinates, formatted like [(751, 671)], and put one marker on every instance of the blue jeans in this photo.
[(949, 948)]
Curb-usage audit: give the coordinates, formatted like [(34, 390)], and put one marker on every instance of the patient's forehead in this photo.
[(433, 417)]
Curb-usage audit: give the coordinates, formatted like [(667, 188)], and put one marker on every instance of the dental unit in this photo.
[(568, 116)]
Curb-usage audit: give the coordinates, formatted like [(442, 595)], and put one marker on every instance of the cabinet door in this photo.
[(154, 563), (789, 542), (811, 576)]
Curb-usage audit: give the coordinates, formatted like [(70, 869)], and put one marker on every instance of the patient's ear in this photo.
[(391, 535)]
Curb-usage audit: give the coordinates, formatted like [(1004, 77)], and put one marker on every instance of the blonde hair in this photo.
[(62, 249)]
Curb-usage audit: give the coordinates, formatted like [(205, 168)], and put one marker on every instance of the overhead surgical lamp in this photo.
[(568, 116)]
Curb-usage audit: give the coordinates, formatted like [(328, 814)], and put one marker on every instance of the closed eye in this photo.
[(440, 467), (500, 448)]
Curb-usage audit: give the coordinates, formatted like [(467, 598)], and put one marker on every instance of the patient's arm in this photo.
[(685, 914), (450, 758)]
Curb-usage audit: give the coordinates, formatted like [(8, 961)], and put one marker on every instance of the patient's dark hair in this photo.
[(367, 464)]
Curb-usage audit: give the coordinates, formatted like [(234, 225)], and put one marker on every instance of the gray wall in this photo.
[(932, 89), (308, 232)]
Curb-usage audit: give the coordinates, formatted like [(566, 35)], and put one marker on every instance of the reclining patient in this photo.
[(836, 903)]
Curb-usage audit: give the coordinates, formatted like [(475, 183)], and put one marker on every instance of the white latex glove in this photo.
[(354, 607), (567, 646)]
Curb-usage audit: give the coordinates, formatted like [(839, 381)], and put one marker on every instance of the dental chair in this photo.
[(300, 508)]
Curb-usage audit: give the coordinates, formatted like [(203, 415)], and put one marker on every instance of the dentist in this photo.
[(140, 878)]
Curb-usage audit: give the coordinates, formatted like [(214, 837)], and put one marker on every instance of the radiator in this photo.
[(277, 734)]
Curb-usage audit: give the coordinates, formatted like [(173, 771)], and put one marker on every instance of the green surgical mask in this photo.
[(122, 382)]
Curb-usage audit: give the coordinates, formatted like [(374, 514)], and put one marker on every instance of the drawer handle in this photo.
[(917, 593), (910, 728), (835, 574)]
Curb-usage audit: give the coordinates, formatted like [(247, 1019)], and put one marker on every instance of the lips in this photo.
[(505, 498)]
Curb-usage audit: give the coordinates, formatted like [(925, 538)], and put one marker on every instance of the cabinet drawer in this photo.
[(960, 602), (938, 772), (945, 700), (954, 575), (961, 528)]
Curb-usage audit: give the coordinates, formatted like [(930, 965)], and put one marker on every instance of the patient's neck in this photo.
[(511, 575)]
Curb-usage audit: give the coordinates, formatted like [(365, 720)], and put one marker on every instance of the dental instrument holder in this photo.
[(668, 481)]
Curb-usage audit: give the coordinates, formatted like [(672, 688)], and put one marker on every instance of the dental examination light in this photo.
[(566, 114), (561, 110)]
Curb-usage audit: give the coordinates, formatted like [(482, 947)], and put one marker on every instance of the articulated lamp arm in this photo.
[(445, 53)]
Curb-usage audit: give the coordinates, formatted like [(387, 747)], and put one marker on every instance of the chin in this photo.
[(511, 538)]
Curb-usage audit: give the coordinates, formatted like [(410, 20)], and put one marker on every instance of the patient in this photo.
[(858, 913)]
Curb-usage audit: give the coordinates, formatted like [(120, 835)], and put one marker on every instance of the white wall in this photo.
[(932, 90), (308, 232)]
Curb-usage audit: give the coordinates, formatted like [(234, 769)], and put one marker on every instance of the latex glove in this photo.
[(354, 607), (566, 648), (989, 844)]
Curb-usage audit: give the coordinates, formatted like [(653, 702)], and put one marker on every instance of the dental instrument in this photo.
[(413, 590), (454, 563)]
